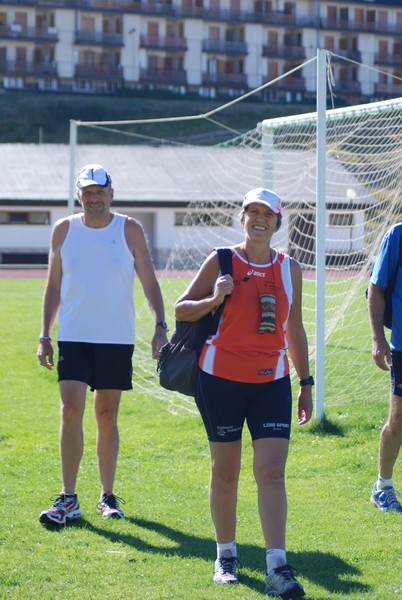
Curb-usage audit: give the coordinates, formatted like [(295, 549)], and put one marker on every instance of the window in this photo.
[(341, 219), (24, 217), (211, 219)]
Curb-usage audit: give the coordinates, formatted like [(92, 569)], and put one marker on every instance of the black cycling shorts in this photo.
[(396, 373), (101, 366), (225, 405)]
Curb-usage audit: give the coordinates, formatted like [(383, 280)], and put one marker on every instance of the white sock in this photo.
[(223, 549), (276, 557), (382, 482)]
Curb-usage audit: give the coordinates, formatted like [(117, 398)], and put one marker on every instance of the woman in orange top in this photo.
[(244, 376)]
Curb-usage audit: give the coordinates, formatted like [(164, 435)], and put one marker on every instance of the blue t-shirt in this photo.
[(383, 270)]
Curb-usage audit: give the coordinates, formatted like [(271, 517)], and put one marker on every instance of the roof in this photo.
[(139, 173), (174, 175)]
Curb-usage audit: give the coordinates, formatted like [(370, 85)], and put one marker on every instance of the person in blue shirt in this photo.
[(388, 357)]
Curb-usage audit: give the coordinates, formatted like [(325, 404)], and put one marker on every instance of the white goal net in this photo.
[(363, 186)]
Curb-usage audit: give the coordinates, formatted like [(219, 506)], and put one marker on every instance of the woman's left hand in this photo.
[(304, 405)]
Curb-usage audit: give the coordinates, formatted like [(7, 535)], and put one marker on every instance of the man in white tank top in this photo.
[(90, 286)]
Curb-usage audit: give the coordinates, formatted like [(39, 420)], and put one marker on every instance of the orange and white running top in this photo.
[(261, 298)]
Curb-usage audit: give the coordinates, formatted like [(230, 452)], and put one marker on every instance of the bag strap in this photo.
[(226, 267), (225, 260), (398, 264)]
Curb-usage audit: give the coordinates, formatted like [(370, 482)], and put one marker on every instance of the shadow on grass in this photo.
[(326, 570), (325, 427)]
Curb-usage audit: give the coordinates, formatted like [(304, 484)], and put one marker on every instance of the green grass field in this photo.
[(340, 545)]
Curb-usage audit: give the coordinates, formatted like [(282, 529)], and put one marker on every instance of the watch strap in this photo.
[(308, 381)]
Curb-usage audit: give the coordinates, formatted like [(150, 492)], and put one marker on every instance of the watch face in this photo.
[(162, 324)]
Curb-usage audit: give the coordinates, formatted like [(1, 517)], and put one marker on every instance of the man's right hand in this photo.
[(45, 354)]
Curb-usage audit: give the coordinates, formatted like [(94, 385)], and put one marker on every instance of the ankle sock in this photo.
[(276, 557), (382, 482), (224, 549)]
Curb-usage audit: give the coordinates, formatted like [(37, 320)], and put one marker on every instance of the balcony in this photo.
[(106, 72), (168, 76), (349, 25), (347, 88), (99, 38), (286, 52), (156, 42), (388, 90), (150, 8), (350, 54), (14, 68), (230, 80), (288, 84), (223, 47), (388, 59), (34, 34)]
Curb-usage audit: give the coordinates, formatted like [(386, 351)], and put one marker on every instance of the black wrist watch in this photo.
[(308, 381), (162, 324)]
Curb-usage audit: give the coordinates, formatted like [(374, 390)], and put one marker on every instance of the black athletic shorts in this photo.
[(225, 405), (396, 373), (101, 366)]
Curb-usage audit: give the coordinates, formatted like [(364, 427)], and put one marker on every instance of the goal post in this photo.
[(339, 174)]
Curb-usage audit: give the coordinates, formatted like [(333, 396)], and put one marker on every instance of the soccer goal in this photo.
[(339, 174)]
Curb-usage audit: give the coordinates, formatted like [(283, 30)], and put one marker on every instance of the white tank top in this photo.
[(97, 288)]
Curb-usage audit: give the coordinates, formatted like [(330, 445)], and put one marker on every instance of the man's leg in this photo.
[(384, 496), (391, 438), (66, 506), (72, 395), (106, 406)]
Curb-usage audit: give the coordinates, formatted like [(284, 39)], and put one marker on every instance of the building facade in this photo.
[(210, 47)]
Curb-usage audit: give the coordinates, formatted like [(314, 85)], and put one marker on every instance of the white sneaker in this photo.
[(65, 508), (225, 568)]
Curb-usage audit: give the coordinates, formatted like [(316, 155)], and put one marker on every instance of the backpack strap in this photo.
[(225, 260), (226, 267), (398, 264)]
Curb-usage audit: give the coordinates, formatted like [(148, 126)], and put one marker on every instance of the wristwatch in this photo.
[(308, 381), (162, 324)]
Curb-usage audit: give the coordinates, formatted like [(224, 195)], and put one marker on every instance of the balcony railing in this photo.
[(151, 8), (343, 86), (275, 18), (99, 38), (286, 52), (99, 71), (351, 54), (291, 84), (18, 32), (392, 90), (163, 43), (388, 59), (20, 68), (236, 80), (224, 47), (172, 76), (351, 25)]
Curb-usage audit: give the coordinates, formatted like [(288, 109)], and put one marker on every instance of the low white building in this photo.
[(167, 188)]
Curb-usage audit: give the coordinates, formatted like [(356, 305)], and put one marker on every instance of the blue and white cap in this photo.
[(93, 175)]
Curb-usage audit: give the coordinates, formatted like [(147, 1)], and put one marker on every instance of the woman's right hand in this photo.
[(223, 287)]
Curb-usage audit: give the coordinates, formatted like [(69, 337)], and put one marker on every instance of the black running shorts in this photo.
[(225, 405), (101, 366), (396, 373)]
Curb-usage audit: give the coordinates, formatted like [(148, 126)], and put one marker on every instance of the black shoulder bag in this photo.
[(178, 359)]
